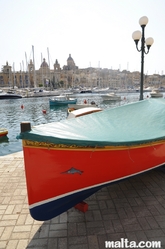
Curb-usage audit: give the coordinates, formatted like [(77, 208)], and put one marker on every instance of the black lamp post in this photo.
[(137, 35)]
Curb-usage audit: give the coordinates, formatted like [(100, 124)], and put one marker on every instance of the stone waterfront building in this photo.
[(70, 76)]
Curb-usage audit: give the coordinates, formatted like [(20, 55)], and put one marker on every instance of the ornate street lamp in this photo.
[(137, 35)]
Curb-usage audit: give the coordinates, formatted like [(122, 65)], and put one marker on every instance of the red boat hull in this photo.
[(59, 178)]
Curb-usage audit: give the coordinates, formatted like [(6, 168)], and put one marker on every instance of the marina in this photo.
[(14, 111), (132, 209)]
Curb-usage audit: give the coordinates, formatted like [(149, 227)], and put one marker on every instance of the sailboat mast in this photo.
[(49, 68), (34, 68), (23, 75), (14, 76), (42, 82), (99, 76), (27, 70)]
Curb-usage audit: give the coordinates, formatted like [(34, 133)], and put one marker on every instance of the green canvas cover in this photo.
[(130, 124)]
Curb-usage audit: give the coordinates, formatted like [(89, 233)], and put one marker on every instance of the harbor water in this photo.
[(14, 111)]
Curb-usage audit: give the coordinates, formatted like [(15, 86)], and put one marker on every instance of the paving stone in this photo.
[(115, 236), (131, 236), (117, 226), (132, 227), (3, 244), (62, 243), (12, 244), (101, 240), (21, 219), (154, 233), (57, 233), (44, 231), (132, 201), (89, 216), (141, 236), (153, 210), (25, 228), (81, 229), (129, 211), (58, 226), (72, 229), (93, 242), (95, 230), (75, 240), (108, 225), (18, 235), (7, 233), (152, 222), (22, 244), (110, 216), (63, 217), (38, 243), (52, 243), (141, 211), (102, 205), (143, 223), (82, 246)]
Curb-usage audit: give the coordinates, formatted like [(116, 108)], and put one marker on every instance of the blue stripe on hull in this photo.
[(54, 208)]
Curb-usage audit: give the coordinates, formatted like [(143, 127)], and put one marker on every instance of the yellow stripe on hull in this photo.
[(47, 145)]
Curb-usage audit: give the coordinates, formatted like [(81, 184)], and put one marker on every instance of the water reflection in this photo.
[(4, 139)]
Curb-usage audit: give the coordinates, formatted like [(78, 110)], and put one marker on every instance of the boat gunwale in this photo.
[(52, 146)]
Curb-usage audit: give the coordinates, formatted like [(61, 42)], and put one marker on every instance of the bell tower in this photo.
[(57, 66), (31, 70), (31, 67)]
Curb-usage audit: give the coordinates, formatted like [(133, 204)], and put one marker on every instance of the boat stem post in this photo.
[(25, 126)]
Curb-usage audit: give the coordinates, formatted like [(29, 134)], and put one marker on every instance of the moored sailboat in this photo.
[(67, 161)]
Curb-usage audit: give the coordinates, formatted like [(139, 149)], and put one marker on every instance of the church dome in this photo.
[(70, 58)]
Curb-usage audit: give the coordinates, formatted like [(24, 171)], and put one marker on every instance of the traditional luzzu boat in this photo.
[(67, 161)]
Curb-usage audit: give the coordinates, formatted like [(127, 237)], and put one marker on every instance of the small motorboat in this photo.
[(62, 100), (156, 94), (85, 91), (111, 97), (9, 95), (3, 132), (83, 111), (79, 106)]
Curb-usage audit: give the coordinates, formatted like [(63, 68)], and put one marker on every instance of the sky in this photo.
[(97, 33)]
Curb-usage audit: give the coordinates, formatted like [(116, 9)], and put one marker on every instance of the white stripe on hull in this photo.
[(90, 187)]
